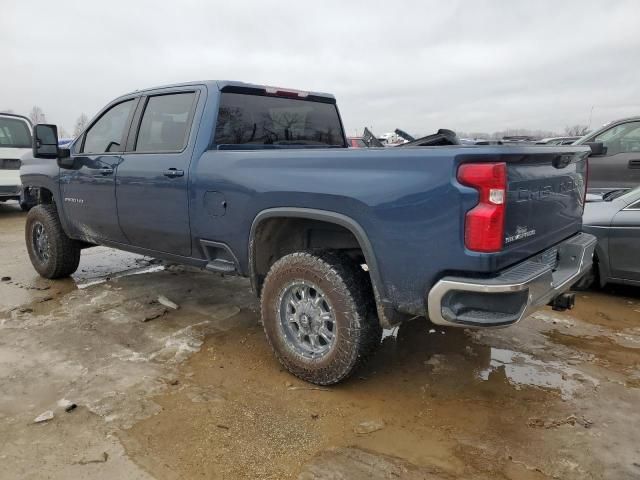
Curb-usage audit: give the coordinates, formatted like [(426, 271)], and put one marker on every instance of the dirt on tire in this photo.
[(349, 289), (63, 252)]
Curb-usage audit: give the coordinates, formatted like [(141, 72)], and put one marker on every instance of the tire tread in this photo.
[(64, 252), (354, 286)]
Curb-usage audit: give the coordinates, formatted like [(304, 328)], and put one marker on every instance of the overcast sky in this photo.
[(465, 65)]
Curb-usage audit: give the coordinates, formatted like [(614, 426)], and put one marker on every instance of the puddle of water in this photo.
[(522, 369), (393, 332), (135, 271), (99, 264)]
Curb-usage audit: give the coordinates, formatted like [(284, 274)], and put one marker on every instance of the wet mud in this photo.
[(195, 392)]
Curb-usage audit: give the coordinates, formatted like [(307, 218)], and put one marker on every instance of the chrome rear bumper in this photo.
[(515, 293)]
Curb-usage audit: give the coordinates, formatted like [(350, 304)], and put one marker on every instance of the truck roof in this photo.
[(15, 115), (220, 84)]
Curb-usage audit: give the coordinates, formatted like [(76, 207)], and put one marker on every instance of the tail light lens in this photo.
[(484, 223)]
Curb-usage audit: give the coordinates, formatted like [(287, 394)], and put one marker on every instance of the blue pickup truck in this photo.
[(338, 242)]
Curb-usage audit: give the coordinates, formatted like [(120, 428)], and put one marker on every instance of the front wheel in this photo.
[(319, 316), (52, 253)]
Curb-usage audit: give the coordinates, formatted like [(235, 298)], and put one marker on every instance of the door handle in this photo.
[(173, 173), (106, 171), (634, 164)]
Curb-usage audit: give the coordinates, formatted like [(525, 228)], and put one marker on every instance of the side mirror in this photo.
[(65, 160), (45, 141), (597, 148)]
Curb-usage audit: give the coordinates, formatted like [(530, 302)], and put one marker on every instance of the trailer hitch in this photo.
[(565, 301)]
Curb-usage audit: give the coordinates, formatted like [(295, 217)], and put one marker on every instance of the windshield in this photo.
[(14, 133), (612, 195), (629, 195), (245, 119)]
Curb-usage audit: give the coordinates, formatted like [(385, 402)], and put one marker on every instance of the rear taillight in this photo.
[(484, 223)]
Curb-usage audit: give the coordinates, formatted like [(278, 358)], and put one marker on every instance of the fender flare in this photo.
[(38, 182), (326, 216)]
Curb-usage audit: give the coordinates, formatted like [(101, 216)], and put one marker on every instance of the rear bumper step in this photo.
[(515, 293)]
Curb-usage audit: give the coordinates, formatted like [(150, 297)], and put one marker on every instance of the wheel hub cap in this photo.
[(40, 242), (307, 319)]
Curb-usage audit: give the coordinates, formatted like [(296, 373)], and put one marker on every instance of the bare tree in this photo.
[(81, 123), (62, 133), (576, 130), (37, 115)]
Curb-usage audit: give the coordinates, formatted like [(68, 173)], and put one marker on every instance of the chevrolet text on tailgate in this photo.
[(233, 177)]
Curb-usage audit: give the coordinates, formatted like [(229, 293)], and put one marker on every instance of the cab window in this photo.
[(624, 138), (165, 123), (106, 135), (14, 133), (247, 119)]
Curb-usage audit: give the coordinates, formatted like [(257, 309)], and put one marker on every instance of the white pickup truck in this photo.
[(15, 141)]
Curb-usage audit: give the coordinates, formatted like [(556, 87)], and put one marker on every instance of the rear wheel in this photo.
[(319, 316), (52, 253)]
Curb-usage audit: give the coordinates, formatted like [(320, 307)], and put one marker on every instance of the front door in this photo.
[(619, 167), (152, 180), (88, 189)]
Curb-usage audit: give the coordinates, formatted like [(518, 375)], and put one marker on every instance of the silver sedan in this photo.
[(614, 218)]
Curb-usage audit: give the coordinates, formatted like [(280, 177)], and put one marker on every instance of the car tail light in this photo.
[(484, 223)]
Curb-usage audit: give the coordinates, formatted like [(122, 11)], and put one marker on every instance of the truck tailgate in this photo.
[(545, 201), (545, 188)]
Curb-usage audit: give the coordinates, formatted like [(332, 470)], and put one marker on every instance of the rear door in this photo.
[(88, 189), (620, 165), (152, 180), (624, 243)]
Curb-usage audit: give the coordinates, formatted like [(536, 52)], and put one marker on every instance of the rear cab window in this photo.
[(252, 120)]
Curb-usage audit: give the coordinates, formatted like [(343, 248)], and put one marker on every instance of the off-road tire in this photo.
[(348, 287), (63, 253)]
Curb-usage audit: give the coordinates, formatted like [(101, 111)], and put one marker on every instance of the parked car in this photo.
[(521, 139), (614, 219), (615, 161), (356, 142), (254, 180), (15, 141), (557, 141)]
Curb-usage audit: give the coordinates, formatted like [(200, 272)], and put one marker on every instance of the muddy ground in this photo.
[(196, 393)]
